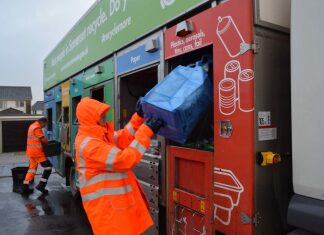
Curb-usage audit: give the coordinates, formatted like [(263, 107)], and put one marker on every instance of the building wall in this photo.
[(38, 112), (13, 118), (28, 107), (12, 104)]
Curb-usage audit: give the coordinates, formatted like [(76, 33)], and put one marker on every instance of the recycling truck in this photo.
[(253, 163)]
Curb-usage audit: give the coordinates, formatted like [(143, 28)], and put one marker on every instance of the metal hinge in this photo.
[(244, 47), (245, 219)]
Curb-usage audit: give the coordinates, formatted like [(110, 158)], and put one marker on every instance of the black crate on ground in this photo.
[(18, 177), (52, 148)]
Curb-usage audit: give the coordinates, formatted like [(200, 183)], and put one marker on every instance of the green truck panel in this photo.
[(99, 73), (109, 99), (108, 25)]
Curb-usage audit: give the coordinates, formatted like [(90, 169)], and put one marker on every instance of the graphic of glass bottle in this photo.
[(229, 35)]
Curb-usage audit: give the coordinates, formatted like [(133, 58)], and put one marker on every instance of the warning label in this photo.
[(267, 134), (264, 118)]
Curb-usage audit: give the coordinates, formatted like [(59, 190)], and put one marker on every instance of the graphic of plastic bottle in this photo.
[(245, 86), (227, 96), (229, 35)]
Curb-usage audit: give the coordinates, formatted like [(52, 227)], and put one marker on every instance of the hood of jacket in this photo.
[(89, 111)]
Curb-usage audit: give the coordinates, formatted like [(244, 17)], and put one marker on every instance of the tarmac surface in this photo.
[(57, 213)]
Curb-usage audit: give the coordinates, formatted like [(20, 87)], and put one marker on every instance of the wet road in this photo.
[(56, 213)]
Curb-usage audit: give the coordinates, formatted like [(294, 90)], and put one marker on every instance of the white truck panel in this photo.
[(307, 84)]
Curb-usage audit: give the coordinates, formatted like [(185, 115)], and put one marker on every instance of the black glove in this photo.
[(154, 124), (139, 109)]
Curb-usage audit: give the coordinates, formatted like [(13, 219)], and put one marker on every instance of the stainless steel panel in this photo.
[(65, 134), (147, 171), (272, 93), (152, 194), (154, 230)]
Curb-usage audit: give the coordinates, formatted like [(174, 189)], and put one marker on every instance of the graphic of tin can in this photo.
[(232, 70), (229, 35), (227, 96), (245, 86)]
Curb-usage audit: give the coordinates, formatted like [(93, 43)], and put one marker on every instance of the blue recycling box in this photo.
[(180, 100)]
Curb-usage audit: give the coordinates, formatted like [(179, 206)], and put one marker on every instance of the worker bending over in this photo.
[(35, 152), (112, 197)]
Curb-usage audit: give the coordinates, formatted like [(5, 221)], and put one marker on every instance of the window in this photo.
[(20, 104), (98, 94), (75, 102), (3, 104), (49, 119), (59, 112), (66, 115)]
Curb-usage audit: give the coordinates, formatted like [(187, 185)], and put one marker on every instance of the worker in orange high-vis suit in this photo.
[(112, 197), (34, 151)]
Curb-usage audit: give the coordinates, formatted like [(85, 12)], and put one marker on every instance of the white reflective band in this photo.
[(111, 158), (32, 138), (82, 164), (106, 192), (34, 145), (103, 177), (43, 180), (26, 182), (115, 137), (130, 129), (31, 171), (140, 148), (48, 168)]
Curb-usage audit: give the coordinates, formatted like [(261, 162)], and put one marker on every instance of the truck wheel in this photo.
[(72, 179)]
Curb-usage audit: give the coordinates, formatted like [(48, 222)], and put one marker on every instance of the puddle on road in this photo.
[(53, 204)]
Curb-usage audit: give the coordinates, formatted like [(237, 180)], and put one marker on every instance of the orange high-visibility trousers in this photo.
[(33, 165)]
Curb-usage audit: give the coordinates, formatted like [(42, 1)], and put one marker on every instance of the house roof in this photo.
[(12, 112), (15, 93), (39, 105)]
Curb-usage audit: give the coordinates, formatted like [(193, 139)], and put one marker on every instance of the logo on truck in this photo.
[(166, 3)]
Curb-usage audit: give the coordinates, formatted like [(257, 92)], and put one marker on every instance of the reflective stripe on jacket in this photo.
[(34, 145), (111, 195)]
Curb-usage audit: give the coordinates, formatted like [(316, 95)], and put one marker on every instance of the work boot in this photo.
[(26, 190), (41, 187)]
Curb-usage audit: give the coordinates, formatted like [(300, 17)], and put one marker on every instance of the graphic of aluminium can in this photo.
[(245, 85)]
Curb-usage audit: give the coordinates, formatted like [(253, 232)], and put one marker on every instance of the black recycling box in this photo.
[(18, 177), (52, 148)]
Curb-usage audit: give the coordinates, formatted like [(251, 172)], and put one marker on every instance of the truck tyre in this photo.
[(72, 179)]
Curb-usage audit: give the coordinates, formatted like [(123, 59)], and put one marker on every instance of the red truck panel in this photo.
[(227, 27), (190, 191)]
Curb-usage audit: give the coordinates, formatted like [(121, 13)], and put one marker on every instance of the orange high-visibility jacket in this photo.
[(112, 197), (34, 145)]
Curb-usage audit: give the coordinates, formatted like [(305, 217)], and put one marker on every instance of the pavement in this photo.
[(55, 214)]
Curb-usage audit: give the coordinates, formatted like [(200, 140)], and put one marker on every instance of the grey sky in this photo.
[(29, 30)]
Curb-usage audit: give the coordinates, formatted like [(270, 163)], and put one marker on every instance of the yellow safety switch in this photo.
[(270, 158)]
